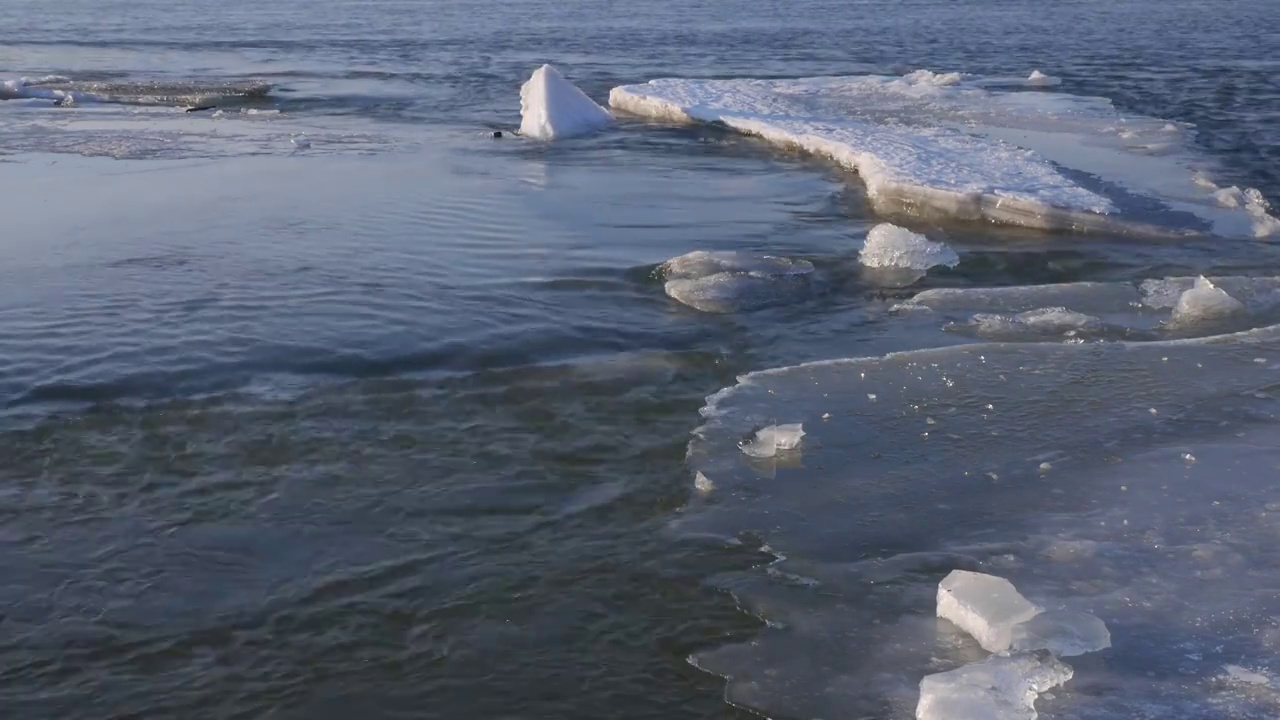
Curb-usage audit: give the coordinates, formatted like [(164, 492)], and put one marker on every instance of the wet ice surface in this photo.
[(769, 441), (1062, 632), (998, 688), (986, 607), (925, 462), (1072, 312), (730, 281)]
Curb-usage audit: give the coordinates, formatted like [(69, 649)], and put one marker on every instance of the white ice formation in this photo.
[(551, 107), (730, 281), (769, 440), (998, 688), (890, 246), (1205, 302), (985, 606), (959, 147)]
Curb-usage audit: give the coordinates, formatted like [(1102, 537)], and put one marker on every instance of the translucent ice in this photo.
[(985, 606), (1064, 633), (890, 246), (1205, 302), (552, 107), (998, 688), (1041, 321), (769, 440), (725, 282)]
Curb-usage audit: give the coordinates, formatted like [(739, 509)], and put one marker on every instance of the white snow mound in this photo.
[(1039, 79), (985, 606), (890, 246), (552, 107)]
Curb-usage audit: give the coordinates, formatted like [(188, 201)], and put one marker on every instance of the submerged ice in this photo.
[(551, 107), (730, 281)]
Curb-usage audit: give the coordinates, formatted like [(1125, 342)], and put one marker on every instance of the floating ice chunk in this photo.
[(1039, 79), (300, 141), (985, 606), (769, 440), (998, 688), (725, 282), (552, 107), (890, 246), (1244, 675), (1062, 632), (1046, 321), (1205, 302)]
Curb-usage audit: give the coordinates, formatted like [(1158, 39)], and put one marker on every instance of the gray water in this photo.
[(397, 426)]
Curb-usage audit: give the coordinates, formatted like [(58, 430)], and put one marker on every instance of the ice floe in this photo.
[(551, 107), (1205, 302), (768, 441), (1039, 79), (1065, 633), (730, 281), (958, 146), (984, 606)]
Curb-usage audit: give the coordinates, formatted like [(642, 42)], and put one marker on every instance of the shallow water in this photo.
[(396, 424)]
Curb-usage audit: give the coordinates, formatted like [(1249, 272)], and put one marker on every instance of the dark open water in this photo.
[(396, 427)]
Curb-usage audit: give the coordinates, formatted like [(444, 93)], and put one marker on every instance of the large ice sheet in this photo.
[(1156, 514), (945, 144), (998, 688), (551, 107)]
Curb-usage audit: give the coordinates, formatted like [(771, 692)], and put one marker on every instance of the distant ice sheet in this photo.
[(957, 146), (551, 107)]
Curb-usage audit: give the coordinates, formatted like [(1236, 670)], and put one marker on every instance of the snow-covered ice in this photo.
[(890, 246), (551, 107), (985, 606), (1205, 302), (767, 441), (729, 281), (998, 688), (959, 146), (1039, 79), (1065, 633)]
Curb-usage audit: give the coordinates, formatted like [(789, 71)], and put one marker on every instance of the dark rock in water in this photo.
[(497, 133), (201, 108)]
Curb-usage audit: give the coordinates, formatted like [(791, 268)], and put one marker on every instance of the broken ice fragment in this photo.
[(1205, 302), (1062, 632), (985, 606), (769, 440), (1002, 687)]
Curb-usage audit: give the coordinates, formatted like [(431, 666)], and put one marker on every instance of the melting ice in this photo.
[(730, 281)]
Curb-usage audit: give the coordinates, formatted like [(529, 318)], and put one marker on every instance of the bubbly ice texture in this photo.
[(941, 470), (769, 440), (998, 688), (985, 606), (1205, 302), (729, 281), (958, 147), (890, 246), (551, 107), (1065, 633)]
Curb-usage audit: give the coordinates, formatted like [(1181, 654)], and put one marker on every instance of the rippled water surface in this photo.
[(395, 425)]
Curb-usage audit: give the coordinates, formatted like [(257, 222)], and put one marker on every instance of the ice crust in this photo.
[(890, 246), (985, 606), (729, 281), (998, 688), (959, 147), (67, 92), (1065, 633), (551, 107), (767, 441), (1041, 321)]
